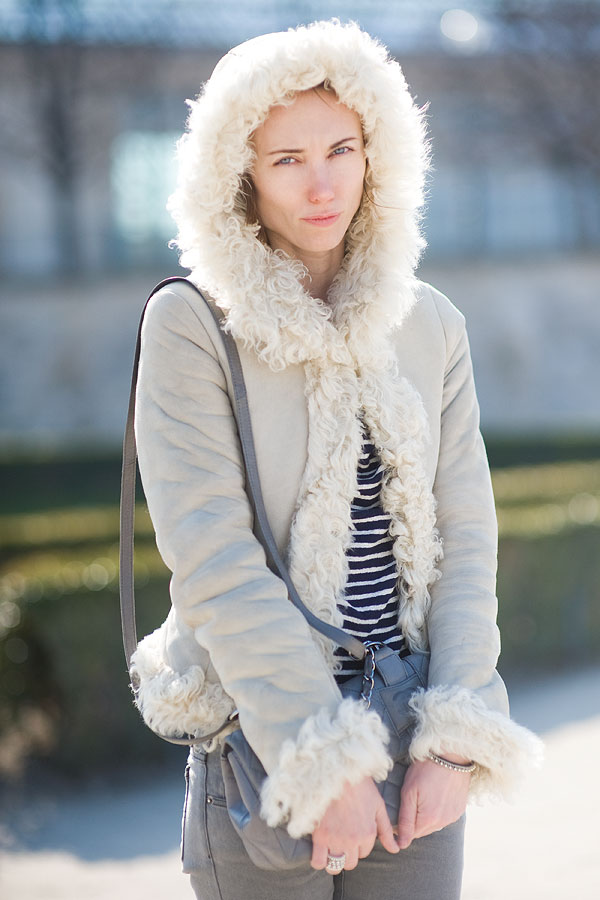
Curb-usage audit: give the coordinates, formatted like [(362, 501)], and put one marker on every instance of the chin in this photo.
[(323, 242)]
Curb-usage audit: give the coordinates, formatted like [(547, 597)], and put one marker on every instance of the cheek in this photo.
[(355, 184), (276, 202), (264, 200)]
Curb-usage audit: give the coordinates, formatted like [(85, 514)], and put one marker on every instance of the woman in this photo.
[(300, 185)]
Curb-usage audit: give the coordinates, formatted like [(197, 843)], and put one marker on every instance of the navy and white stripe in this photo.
[(370, 604)]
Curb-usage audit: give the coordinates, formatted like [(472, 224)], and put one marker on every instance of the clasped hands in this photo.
[(431, 798)]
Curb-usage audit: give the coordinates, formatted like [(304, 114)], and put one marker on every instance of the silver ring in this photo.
[(335, 863)]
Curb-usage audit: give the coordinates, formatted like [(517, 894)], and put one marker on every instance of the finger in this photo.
[(406, 820), (429, 827), (385, 832), (351, 860), (365, 848), (432, 823), (319, 855)]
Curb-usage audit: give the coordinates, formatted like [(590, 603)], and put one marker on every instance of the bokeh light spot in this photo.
[(459, 25), (16, 650)]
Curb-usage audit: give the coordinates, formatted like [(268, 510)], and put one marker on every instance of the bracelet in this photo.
[(455, 767)]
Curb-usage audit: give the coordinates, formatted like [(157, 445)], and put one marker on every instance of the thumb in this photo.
[(406, 819), (384, 830)]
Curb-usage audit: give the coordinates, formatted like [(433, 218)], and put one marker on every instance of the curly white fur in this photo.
[(172, 703), (398, 425), (455, 720), (311, 771)]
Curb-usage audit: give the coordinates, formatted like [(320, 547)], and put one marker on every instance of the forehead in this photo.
[(313, 113)]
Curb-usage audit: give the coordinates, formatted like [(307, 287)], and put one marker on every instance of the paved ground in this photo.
[(103, 844)]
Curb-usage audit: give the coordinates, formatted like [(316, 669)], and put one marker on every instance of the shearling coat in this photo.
[(383, 347)]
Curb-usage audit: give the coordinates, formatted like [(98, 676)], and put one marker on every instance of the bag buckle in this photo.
[(368, 682)]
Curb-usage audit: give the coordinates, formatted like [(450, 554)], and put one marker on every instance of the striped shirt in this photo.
[(370, 605)]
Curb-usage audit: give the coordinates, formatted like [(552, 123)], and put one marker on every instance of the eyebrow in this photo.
[(345, 140)]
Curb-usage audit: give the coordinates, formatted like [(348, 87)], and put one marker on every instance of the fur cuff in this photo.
[(311, 771), (456, 720), (175, 703)]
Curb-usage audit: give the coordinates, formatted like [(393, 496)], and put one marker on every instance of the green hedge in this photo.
[(63, 684), (549, 600)]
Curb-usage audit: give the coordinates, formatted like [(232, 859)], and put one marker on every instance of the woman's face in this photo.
[(308, 174)]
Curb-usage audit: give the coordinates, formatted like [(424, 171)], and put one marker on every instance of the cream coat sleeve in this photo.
[(465, 708), (291, 711)]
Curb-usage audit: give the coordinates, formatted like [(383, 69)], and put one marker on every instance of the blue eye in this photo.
[(340, 151), (285, 161)]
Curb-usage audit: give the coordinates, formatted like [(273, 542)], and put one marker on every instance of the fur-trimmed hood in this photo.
[(267, 305)]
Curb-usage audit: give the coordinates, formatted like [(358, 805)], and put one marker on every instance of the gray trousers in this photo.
[(215, 858)]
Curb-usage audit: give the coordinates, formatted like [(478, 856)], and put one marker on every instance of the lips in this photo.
[(322, 220)]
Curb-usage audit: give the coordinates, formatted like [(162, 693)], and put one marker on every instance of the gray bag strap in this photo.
[(261, 523)]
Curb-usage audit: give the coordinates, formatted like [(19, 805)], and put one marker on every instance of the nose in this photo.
[(320, 186)]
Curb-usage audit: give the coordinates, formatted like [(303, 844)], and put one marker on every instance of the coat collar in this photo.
[(270, 312)]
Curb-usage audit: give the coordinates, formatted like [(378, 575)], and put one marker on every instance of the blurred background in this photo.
[(92, 100)]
